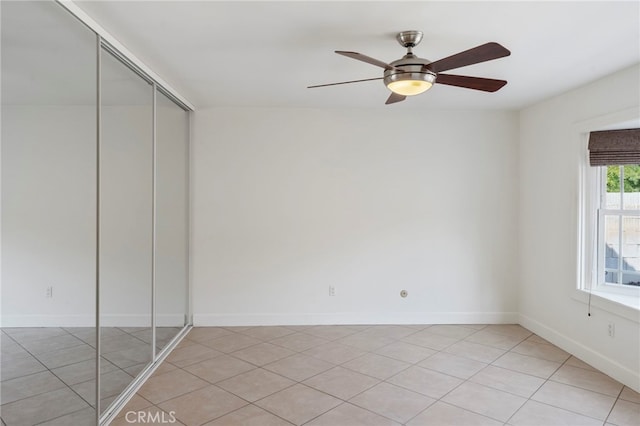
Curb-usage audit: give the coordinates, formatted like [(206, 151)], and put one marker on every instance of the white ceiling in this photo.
[(265, 53)]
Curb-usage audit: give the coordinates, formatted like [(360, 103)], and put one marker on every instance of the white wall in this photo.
[(549, 185), (287, 202)]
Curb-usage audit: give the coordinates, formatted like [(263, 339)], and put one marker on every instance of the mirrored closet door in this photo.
[(172, 230), (95, 220), (126, 225), (49, 195)]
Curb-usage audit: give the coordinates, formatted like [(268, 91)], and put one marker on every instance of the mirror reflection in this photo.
[(126, 226), (48, 359), (79, 223), (172, 138)]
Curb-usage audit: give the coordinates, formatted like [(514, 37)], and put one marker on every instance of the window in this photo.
[(610, 219), (619, 226)]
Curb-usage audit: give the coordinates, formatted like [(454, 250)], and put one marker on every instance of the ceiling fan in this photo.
[(412, 75)]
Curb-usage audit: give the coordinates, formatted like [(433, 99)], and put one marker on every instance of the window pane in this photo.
[(610, 277), (612, 241), (631, 243), (613, 188), (631, 279), (631, 196)]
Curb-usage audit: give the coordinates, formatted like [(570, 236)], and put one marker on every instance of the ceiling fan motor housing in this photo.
[(410, 67), (409, 38)]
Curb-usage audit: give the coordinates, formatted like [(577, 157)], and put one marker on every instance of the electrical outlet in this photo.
[(332, 290), (611, 329), (49, 293)]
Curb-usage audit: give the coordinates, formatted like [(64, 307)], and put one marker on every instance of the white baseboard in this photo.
[(212, 320), (606, 365), (48, 321), (117, 320), (108, 320)]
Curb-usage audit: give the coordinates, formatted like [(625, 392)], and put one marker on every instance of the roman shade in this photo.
[(614, 147)]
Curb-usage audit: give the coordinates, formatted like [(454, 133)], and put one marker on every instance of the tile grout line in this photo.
[(295, 381), (614, 404), (416, 365), (325, 412), (298, 383), (539, 387), (410, 364), (225, 390), (347, 401), (566, 384), (59, 417), (441, 399), (48, 370), (393, 339), (385, 380)]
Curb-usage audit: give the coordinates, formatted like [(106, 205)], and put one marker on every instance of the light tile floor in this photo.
[(47, 374), (377, 375)]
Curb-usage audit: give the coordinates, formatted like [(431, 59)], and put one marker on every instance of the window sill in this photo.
[(626, 306)]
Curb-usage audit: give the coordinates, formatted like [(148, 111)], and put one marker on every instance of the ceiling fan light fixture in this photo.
[(410, 84), (409, 87)]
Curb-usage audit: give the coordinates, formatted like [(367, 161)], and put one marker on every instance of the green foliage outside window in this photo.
[(631, 178)]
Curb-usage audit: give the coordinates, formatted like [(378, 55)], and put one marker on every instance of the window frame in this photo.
[(625, 306), (611, 297), (601, 213)]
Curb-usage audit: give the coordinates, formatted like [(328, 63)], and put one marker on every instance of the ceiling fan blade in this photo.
[(476, 83), (483, 53), (394, 97), (344, 82), (365, 58)]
